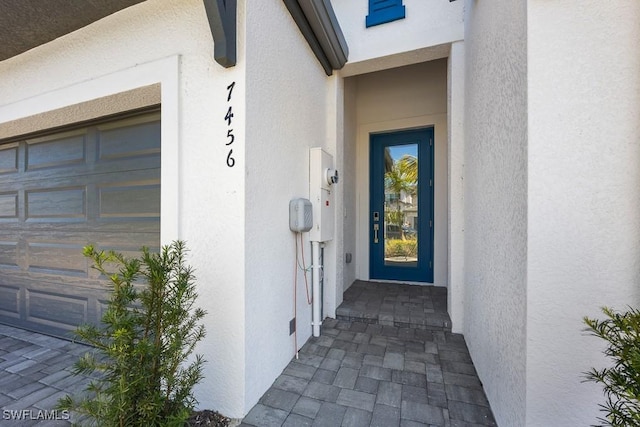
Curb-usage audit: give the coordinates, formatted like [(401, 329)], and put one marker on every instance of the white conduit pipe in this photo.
[(315, 271)]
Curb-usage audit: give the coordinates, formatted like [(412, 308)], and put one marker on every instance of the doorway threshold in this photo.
[(396, 304)]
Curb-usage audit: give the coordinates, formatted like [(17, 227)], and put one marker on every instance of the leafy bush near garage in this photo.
[(621, 381), (401, 248), (143, 348)]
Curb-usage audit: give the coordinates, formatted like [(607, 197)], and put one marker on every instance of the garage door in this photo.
[(96, 185)]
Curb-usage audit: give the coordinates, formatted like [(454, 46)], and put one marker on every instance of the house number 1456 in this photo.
[(228, 118)]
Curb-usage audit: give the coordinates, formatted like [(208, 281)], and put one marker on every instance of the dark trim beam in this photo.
[(318, 24), (222, 21)]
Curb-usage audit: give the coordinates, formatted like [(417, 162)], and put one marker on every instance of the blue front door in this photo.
[(401, 211)]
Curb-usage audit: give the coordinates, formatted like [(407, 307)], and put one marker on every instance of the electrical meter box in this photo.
[(300, 215), (322, 181)]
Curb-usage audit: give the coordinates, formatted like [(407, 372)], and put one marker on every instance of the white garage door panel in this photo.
[(99, 185)]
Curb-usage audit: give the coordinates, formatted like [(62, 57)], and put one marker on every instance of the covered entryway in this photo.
[(95, 184)]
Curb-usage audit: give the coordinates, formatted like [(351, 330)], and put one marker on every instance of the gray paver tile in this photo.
[(422, 412), (320, 391), (28, 388), (393, 361), (471, 413), (9, 362), (279, 399), (436, 394), (385, 416), (458, 367), (314, 349), (434, 373), (370, 359), (376, 372), (409, 378), (295, 420), (329, 415), (4, 399), (52, 379), (414, 394), (32, 398), (300, 370), (331, 364), (352, 360), (454, 356), (346, 378), (336, 353), (356, 399), (264, 416), (310, 359), (50, 402), (358, 327), (410, 423), (474, 396), (290, 383), (461, 380), (354, 417), (307, 407), (368, 385), (324, 376), (389, 394)]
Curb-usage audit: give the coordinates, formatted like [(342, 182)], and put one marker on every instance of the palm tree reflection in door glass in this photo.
[(401, 205)]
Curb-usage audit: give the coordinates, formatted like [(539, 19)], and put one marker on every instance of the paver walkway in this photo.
[(35, 371), (384, 364), (358, 374), (389, 360)]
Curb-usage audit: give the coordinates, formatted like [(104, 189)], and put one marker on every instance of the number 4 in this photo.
[(228, 116)]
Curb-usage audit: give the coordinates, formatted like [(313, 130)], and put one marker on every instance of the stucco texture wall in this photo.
[(427, 23), (584, 203), (286, 114), (495, 201), (202, 199)]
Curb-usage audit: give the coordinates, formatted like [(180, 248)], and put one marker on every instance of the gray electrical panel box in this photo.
[(300, 215)]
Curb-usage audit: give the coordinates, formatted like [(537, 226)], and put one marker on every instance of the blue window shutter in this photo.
[(382, 11)]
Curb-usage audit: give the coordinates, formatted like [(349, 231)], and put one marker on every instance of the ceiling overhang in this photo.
[(26, 24), (319, 26)]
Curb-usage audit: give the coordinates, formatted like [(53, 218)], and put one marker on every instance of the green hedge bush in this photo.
[(141, 351)]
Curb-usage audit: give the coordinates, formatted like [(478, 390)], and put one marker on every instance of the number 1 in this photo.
[(230, 89)]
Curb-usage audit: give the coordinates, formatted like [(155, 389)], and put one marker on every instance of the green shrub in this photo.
[(621, 382), (401, 248), (149, 332)]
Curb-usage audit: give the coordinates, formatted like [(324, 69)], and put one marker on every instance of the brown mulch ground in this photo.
[(208, 418)]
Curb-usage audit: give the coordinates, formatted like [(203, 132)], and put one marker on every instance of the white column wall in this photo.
[(167, 42), (286, 114), (584, 203), (456, 144), (349, 182), (495, 202)]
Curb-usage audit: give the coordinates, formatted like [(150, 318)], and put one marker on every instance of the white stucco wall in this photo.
[(495, 202), (167, 42), (287, 113), (584, 203), (396, 99), (427, 23), (349, 182), (455, 161)]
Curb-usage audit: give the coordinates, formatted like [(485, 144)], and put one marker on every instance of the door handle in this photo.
[(376, 227)]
